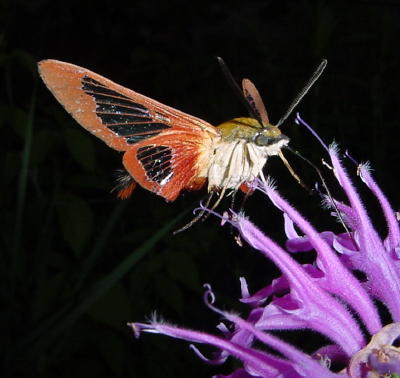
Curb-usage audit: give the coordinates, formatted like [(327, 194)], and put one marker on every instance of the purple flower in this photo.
[(325, 297)]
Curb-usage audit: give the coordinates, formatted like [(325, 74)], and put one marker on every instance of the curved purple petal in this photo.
[(392, 223), (256, 362), (341, 281), (318, 309), (376, 263)]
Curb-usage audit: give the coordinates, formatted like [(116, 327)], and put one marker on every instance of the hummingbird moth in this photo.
[(165, 150)]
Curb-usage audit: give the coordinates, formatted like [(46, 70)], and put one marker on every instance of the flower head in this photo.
[(325, 297)]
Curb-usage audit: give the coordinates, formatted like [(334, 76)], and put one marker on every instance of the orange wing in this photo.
[(166, 149), (115, 114), (169, 163)]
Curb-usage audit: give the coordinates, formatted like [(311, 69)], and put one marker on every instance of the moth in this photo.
[(165, 150)]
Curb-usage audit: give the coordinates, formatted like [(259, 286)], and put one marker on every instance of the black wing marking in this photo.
[(156, 162), (122, 115)]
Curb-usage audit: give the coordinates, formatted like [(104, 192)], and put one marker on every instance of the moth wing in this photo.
[(170, 162), (115, 114)]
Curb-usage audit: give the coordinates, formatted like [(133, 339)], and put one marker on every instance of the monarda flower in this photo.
[(324, 297)]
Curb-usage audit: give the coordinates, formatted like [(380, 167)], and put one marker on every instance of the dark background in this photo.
[(76, 263)]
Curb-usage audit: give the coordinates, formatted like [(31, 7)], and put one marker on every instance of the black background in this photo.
[(63, 235)]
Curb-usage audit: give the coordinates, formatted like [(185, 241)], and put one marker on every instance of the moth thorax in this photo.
[(236, 162)]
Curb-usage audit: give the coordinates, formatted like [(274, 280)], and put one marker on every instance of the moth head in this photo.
[(270, 136)]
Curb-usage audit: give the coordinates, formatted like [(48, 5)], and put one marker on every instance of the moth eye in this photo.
[(262, 140)]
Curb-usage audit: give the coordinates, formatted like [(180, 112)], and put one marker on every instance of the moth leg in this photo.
[(221, 195), (215, 204), (244, 199), (233, 199), (241, 210), (202, 213), (197, 217), (263, 178)]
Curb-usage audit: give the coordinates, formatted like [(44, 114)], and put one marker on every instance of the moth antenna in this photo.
[(196, 218), (314, 77), (293, 173), (328, 192), (234, 85)]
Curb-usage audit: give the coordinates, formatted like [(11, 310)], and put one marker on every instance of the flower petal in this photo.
[(376, 263), (392, 223), (255, 361), (318, 309), (341, 282)]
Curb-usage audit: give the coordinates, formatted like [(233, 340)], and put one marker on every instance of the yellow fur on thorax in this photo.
[(245, 128)]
